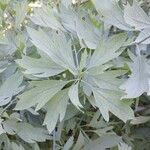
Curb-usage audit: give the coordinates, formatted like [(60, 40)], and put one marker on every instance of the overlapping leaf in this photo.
[(46, 17), (135, 16), (42, 67), (56, 109), (137, 84), (40, 93), (23, 130), (111, 13), (13, 83), (108, 96), (107, 50), (57, 48)]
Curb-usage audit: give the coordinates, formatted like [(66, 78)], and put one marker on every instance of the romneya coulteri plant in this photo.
[(74, 75)]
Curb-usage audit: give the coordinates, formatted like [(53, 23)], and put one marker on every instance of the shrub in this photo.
[(74, 75)]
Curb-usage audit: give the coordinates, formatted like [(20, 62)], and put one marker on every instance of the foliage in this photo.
[(74, 75)]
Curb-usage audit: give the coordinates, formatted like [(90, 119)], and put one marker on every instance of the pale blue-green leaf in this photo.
[(107, 50), (56, 47), (46, 17), (110, 101), (107, 95), (31, 134), (99, 69), (135, 16), (144, 36), (25, 131), (13, 84), (124, 146), (108, 80), (41, 67), (4, 142), (3, 65), (140, 120), (7, 44), (74, 95), (104, 142), (97, 121), (111, 13), (80, 142), (83, 61), (68, 18), (137, 83), (71, 112), (105, 130), (21, 10), (15, 146), (131, 55), (86, 81), (56, 109), (1, 127), (40, 93), (69, 143), (87, 33)]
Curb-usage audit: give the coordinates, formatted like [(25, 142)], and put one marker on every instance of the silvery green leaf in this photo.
[(3, 65), (14, 88), (109, 100), (143, 37), (86, 88), (104, 142), (135, 16), (107, 50), (87, 32), (7, 44), (124, 146), (74, 95), (56, 109), (68, 18), (4, 142), (69, 143), (9, 71), (108, 79), (83, 61), (41, 67), (107, 95), (40, 93), (99, 69), (46, 17), (97, 121), (71, 112), (80, 142), (25, 131), (15, 146), (140, 120), (21, 10), (104, 130), (1, 127), (131, 55), (137, 83), (10, 126), (56, 47), (31, 134), (111, 13)]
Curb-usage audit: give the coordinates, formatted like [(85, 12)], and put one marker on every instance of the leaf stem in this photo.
[(54, 140)]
